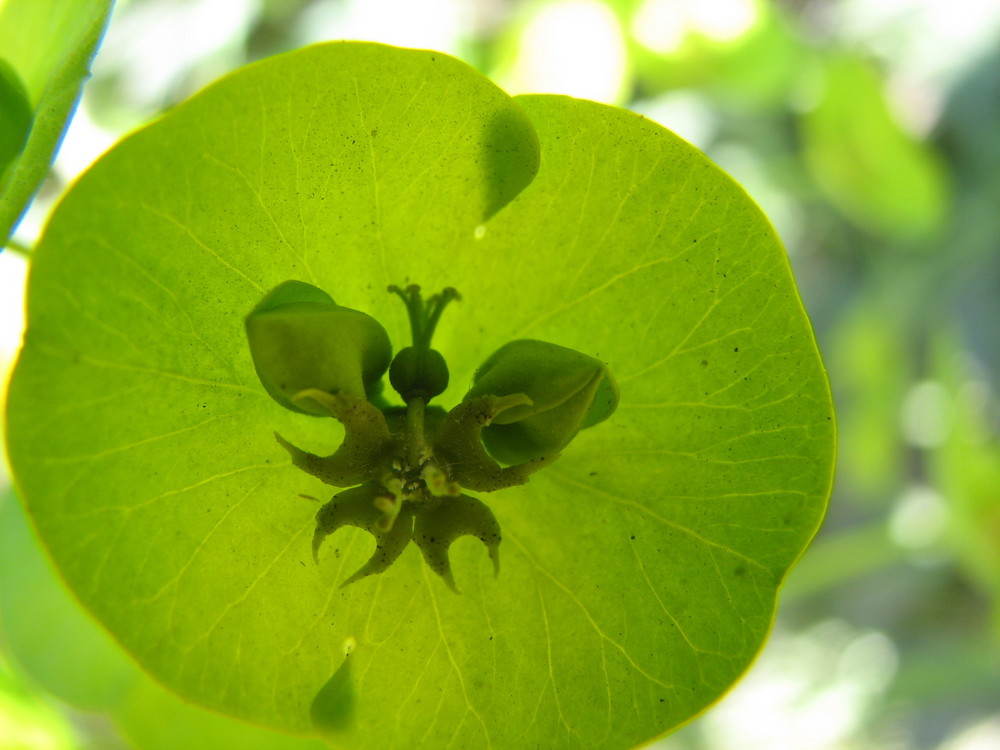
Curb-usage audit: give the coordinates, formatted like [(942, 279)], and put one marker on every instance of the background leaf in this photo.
[(639, 574), (872, 169), (49, 44)]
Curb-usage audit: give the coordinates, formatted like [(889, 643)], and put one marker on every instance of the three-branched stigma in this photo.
[(408, 467)]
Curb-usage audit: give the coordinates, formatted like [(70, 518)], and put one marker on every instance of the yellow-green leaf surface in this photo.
[(74, 659), (639, 573), (48, 44)]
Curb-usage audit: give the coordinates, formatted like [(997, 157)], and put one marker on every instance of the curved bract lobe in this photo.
[(567, 391), (527, 403)]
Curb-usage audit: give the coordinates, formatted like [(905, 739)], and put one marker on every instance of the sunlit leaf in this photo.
[(65, 652), (639, 572)]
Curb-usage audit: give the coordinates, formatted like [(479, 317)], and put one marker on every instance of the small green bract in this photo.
[(407, 466)]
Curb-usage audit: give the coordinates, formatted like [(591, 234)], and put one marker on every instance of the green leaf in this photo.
[(880, 176), (46, 633), (29, 721), (754, 62), (966, 465), (638, 573), (49, 45), (867, 347)]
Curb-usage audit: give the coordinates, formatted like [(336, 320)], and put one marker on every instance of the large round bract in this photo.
[(639, 573)]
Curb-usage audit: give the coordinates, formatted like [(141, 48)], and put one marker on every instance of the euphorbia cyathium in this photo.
[(407, 466)]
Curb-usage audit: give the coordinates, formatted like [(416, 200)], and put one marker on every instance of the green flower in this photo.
[(406, 467)]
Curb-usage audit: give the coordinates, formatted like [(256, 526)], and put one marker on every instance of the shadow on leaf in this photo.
[(511, 152), (332, 709)]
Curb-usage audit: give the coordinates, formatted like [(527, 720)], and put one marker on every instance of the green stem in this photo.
[(15, 246), (414, 432), (424, 316)]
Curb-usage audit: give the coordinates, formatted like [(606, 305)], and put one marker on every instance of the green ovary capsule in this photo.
[(301, 339), (419, 372), (569, 391), (416, 373)]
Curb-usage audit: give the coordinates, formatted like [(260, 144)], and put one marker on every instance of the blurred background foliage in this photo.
[(869, 131)]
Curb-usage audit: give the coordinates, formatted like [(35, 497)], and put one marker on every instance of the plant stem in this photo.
[(414, 432), (15, 246)]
